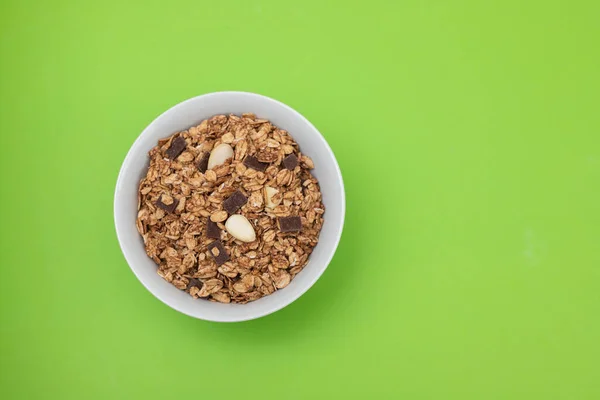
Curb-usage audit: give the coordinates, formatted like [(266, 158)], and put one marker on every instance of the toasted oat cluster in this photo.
[(229, 210)]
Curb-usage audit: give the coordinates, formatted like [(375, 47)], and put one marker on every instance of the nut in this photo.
[(240, 228), (219, 155), (269, 193)]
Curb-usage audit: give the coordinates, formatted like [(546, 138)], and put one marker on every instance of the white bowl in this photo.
[(192, 112)]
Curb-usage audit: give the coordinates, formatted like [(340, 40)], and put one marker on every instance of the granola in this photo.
[(226, 166)]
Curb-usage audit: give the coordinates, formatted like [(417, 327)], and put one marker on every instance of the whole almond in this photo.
[(240, 228), (219, 155)]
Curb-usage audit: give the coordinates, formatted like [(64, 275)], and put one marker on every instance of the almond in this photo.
[(269, 193), (240, 228), (219, 155)]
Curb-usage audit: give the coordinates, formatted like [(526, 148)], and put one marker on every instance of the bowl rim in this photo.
[(277, 306)]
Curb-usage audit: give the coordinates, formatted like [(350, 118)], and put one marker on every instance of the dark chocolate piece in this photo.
[(252, 162), (177, 146), (170, 208), (203, 163), (194, 282), (212, 229), (289, 224), (234, 202), (290, 162), (218, 252)]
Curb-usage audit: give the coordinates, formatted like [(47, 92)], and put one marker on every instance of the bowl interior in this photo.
[(192, 112)]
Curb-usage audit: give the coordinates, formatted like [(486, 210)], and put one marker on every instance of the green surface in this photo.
[(468, 137)]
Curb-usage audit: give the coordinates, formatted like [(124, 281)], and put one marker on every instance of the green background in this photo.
[(468, 136)]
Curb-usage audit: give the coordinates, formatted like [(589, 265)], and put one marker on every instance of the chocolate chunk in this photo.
[(203, 163), (212, 229), (252, 162), (194, 282), (234, 202), (289, 224), (177, 146), (170, 208), (290, 162), (218, 252)]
